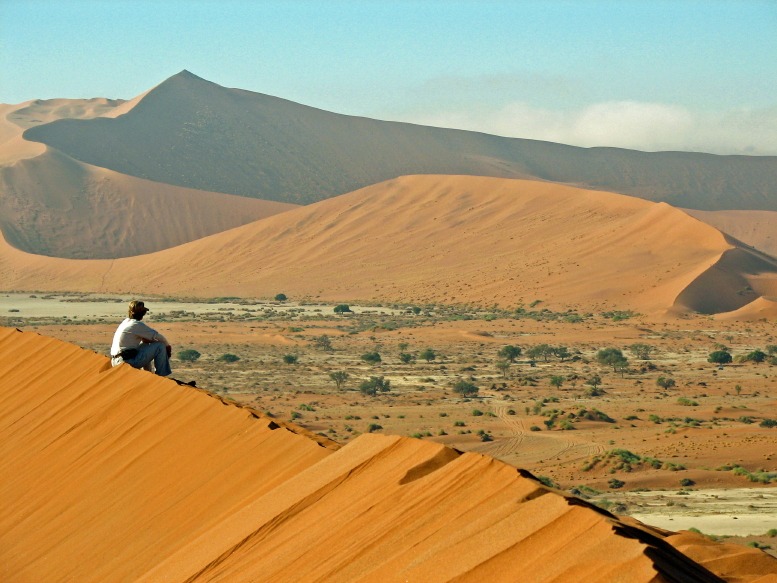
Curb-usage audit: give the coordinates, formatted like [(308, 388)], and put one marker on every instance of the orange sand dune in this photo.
[(54, 205), (756, 228), (113, 474), (450, 239)]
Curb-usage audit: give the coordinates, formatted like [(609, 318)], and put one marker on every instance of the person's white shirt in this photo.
[(131, 333)]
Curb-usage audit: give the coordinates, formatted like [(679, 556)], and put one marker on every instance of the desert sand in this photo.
[(117, 475), (450, 239)]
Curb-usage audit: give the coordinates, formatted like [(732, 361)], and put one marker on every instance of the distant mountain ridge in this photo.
[(192, 133)]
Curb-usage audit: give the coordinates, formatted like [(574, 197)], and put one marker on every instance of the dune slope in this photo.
[(193, 133), (112, 474), (56, 206), (450, 239), (756, 228)]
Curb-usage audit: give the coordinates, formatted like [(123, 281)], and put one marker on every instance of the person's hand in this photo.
[(169, 349)]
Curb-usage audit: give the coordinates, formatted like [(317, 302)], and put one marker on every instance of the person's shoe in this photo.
[(189, 384)]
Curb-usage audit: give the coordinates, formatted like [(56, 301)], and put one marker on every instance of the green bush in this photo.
[(687, 482), (405, 358), (188, 355), (719, 357), (534, 428), (372, 427), (342, 308), (290, 359), (428, 355), (477, 412), (371, 357), (459, 424), (281, 298), (615, 483), (228, 358), (685, 402), (768, 423)]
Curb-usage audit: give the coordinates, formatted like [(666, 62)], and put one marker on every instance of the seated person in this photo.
[(138, 345)]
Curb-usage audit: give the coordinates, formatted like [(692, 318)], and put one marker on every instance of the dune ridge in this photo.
[(113, 474), (193, 133), (450, 239)]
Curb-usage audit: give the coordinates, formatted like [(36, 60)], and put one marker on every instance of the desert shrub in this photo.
[(188, 355), (228, 358), (281, 298), (323, 342), (757, 356), (685, 402), (342, 309), (459, 424), (641, 350), (547, 481), (665, 382), (295, 415), (371, 357), (372, 427), (477, 412), (768, 423), (511, 411), (428, 354), (534, 428), (615, 483), (405, 358), (687, 482), (290, 358), (772, 532)]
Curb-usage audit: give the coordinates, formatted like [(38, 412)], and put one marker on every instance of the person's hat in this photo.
[(137, 307)]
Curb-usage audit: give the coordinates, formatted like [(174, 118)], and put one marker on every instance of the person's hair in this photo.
[(136, 307)]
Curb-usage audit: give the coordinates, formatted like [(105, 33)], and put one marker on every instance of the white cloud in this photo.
[(624, 124)]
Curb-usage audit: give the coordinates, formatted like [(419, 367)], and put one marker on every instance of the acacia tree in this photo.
[(374, 386), (465, 389), (641, 350), (543, 351), (339, 377), (561, 352), (509, 352), (611, 357), (665, 382), (720, 357), (503, 366), (594, 381), (428, 355), (556, 381)]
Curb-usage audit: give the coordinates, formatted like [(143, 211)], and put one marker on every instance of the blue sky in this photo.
[(644, 74)]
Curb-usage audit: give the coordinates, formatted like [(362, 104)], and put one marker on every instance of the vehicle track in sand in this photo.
[(531, 446)]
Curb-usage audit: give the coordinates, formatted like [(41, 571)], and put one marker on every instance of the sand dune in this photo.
[(53, 205), (56, 206), (193, 133), (756, 228), (448, 239), (112, 474)]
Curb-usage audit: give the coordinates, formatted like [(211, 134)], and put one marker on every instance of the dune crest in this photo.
[(118, 475), (450, 239)]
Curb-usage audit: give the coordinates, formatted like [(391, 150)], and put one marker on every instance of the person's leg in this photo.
[(154, 352)]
